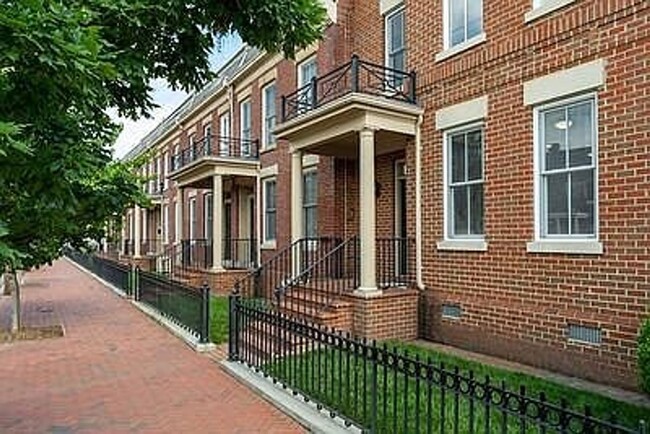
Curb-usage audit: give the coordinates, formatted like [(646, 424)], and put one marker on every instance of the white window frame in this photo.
[(207, 216), (543, 242), (451, 50), (541, 8), (245, 143), (224, 134), (266, 144), (387, 35), (166, 166), (177, 221), (447, 170), (268, 242), (192, 218), (165, 218), (301, 82), (305, 206), (207, 139)]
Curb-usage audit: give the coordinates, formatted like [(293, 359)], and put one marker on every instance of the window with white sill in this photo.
[(268, 115), (395, 31), (310, 203), (566, 161), (464, 184), (224, 134), (245, 127), (463, 21), (270, 210)]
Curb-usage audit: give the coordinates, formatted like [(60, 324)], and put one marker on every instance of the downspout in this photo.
[(418, 202)]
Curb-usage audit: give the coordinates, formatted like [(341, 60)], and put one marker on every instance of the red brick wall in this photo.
[(518, 304)]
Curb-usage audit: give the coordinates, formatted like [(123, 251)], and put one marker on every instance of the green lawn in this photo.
[(219, 320), (407, 406)]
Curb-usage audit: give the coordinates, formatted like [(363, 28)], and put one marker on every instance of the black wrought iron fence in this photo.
[(239, 253), (384, 390), (187, 306), (119, 275)]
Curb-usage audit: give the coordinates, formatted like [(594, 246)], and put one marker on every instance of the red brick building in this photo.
[(485, 166)]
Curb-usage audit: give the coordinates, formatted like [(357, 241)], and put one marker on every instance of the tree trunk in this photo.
[(17, 323)]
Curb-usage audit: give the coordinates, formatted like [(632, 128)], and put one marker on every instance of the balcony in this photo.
[(215, 155), (325, 116)]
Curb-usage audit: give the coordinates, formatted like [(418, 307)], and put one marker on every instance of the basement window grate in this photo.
[(452, 311), (584, 334)]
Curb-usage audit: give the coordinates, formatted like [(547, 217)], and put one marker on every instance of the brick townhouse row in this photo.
[(484, 163)]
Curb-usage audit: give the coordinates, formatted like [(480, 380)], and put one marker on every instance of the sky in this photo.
[(167, 100)]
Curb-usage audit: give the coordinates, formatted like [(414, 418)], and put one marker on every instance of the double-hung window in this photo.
[(245, 123), (270, 210), (463, 21), (207, 139), (178, 158), (268, 106), (310, 203), (464, 181), (395, 45), (224, 134), (166, 164), (566, 138), (307, 71), (208, 211)]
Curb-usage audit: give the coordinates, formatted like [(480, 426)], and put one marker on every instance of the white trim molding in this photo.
[(269, 171), (463, 245), (592, 247), (463, 113), (310, 160), (579, 79), (545, 8), (386, 6)]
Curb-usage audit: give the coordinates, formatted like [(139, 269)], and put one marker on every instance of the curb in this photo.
[(305, 413)]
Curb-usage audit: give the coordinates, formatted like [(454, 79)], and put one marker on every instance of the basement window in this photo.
[(584, 334), (451, 311)]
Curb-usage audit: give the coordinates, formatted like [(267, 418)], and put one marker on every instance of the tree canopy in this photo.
[(63, 63)]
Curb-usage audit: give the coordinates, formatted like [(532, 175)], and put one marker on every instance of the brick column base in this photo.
[(392, 314)]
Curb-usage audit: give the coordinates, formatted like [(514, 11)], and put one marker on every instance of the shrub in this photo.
[(644, 356)]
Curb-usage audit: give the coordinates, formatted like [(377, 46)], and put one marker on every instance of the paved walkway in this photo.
[(115, 371)]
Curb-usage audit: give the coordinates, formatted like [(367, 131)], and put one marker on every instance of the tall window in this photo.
[(310, 204), (177, 221), (166, 172), (245, 122), (268, 104), (159, 173), (465, 183), (177, 157), (306, 71), (193, 219), (224, 133), (207, 139), (567, 156), (152, 177), (269, 209), (165, 217), (207, 209), (396, 40), (464, 21), (192, 146)]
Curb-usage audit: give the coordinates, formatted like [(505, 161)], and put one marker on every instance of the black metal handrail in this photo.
[(395, 262), (384, 390), (356, 76), (239, 253), (216, 146), (272, 274), (319, 283)]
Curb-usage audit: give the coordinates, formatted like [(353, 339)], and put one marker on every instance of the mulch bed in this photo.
[(31, 333)]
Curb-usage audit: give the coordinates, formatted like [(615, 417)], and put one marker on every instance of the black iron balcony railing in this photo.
[(356, 76), (216, 146)]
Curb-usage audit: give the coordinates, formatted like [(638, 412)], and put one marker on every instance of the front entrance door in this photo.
[(401, 242)]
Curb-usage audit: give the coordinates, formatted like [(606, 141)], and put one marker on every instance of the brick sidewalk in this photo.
[(115, 371)]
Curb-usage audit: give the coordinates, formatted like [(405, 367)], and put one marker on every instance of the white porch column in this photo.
[(125, 221), (217, 222), (178, 216), (367, 215), (297, 230), (137, 215)]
